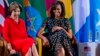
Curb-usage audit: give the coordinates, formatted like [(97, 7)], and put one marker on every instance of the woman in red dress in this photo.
[(15, 34)]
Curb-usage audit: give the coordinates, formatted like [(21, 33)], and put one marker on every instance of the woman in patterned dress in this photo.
[(59, 35)]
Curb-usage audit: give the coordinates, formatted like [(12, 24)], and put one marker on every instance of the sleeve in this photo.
[(67, 24), (45, 23), (6, 31), (24, 26)]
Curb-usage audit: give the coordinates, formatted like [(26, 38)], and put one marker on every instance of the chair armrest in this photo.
[(39, 42)]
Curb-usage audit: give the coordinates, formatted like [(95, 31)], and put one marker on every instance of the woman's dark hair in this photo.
[(13, 6), (54, 7)]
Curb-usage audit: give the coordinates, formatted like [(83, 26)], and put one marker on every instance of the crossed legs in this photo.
[(32, 51), (61, 52)]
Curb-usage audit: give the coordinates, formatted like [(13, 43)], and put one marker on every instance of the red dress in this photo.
[(16, 34)]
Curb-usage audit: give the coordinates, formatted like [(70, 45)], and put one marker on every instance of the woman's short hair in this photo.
[(54, 7), (13, 6)]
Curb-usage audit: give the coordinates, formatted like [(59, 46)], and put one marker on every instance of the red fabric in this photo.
[(16, 34), (1, 30), (2, 12)]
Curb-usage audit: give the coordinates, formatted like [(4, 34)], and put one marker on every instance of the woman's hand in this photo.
[(12, 51), (69, 32), (56, 28), (46, 42)]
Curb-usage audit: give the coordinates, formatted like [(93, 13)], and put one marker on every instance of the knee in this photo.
[(33, 45), (61, 50)]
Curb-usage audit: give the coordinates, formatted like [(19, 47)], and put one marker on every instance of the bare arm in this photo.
[(40, 33), (45, 40), (69, 33)]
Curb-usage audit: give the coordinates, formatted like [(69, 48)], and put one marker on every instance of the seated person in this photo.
[(14, 32), (59, 35)]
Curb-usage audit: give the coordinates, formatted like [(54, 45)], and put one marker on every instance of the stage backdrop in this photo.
[(84, 16)]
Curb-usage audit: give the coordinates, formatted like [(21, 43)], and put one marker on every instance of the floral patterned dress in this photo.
[(58, 38)]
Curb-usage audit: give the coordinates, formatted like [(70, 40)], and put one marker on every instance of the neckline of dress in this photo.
[(58, 19), (15, 21)]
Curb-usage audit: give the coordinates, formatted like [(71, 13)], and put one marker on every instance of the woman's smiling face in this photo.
[(57, 12)]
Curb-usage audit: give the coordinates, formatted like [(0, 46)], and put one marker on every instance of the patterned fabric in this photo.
[(58, 38)]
